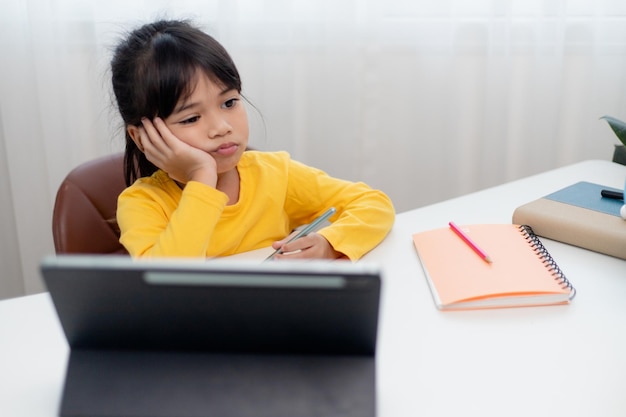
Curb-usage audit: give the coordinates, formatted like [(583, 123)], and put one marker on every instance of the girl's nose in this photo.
[(218, 126)]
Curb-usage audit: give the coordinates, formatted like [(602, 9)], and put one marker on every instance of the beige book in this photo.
[(580, 216)]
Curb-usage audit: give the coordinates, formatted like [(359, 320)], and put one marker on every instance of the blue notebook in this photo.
[(587, 195)]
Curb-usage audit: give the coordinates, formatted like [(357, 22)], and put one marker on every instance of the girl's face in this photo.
[(213, 119)]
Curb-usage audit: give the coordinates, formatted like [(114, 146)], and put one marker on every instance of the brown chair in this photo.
[(83, 220)]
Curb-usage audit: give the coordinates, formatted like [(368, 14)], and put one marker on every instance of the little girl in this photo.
[(194, 190)]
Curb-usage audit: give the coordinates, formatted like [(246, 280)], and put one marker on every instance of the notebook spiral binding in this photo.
[(545, 256)]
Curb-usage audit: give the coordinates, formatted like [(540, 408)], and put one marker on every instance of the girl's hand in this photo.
[(181, 161), (312, 246)]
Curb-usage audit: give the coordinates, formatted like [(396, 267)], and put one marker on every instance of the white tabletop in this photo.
[(33, 357), (541, 361)]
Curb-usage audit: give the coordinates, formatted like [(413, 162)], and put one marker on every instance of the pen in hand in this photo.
[(310, 228)]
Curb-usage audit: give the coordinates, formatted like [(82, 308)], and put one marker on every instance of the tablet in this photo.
[(114, 302), (188, 338)]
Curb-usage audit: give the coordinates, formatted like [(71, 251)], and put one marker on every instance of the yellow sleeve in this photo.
[(364, 215), (158, 221)]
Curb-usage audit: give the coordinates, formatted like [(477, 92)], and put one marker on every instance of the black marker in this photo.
[(615, 195)]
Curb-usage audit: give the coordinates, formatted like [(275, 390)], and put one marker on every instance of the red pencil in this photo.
[(469, 242)]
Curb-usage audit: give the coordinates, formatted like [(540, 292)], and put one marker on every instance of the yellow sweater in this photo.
[(276, 195)]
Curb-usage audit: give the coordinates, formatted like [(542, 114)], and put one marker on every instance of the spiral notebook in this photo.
[(521, 271)]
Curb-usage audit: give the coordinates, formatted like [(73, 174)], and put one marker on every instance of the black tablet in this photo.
[(162, 338), (114, 302)]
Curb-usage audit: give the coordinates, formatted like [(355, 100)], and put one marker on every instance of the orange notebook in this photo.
[(521, 272)]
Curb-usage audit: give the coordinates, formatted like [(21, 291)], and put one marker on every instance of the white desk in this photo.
[(541, 361)]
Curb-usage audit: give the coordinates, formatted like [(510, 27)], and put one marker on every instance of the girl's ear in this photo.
[(135, 134)]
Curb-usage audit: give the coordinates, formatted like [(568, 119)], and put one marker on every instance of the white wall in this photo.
[(424, 99)]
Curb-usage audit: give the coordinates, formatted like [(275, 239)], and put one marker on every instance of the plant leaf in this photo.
[(618, 126)]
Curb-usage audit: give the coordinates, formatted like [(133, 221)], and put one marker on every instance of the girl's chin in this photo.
[(226, 168), (228, 162)]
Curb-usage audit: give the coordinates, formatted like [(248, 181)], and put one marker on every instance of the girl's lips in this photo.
[(227, 149)]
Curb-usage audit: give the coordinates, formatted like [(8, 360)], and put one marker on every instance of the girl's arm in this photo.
[(364, 215), (155, 217), (159, 221)]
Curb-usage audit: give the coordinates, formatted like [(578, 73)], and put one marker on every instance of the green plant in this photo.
[(619, 128)]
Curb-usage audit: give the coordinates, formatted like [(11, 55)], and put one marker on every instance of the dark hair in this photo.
[(153, 68)]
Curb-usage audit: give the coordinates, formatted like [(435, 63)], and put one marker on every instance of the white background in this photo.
[(425, 100)]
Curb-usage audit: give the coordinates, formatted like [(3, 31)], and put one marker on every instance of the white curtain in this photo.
[(424, 99)]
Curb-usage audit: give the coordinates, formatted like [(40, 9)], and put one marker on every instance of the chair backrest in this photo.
[(83, 220)]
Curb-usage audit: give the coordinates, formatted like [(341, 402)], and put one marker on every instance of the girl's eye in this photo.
[(189, 120), (230, 103)]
